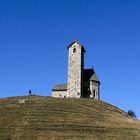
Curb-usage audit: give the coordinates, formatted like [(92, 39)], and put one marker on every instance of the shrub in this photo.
[(131, 113), (30, 92)]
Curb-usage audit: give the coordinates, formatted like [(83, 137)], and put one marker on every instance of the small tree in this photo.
[(30, 92), (131, 113)]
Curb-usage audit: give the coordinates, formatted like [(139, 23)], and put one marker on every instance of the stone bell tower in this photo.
[(75, 70)]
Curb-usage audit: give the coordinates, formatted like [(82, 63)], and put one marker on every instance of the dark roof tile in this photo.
[(77, 43), (60, 87)]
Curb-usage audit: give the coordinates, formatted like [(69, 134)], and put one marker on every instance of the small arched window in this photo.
[(74, 50)]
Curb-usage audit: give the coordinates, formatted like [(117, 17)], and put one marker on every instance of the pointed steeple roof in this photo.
[(89, 74), (94, 78), (76, 43)]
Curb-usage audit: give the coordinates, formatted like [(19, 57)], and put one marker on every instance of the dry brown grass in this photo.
[(46, 118)]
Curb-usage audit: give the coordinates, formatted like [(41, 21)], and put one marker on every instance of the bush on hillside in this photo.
[(30, 92), (131, 113)]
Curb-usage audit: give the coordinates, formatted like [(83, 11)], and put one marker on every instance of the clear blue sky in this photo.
[(34, 35)]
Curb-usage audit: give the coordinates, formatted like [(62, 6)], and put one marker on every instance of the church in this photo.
[(81, 83)]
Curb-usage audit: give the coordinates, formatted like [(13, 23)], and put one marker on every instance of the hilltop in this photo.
[(46, 118)]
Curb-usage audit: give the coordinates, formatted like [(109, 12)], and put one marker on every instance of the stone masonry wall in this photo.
[(75, 70)]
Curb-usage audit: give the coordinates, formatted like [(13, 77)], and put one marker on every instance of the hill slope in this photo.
[(46, 118)]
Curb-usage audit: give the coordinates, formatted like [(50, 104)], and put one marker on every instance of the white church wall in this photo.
[(59, 94)]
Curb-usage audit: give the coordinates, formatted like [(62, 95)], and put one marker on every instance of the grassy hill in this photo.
[(46, 118)]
